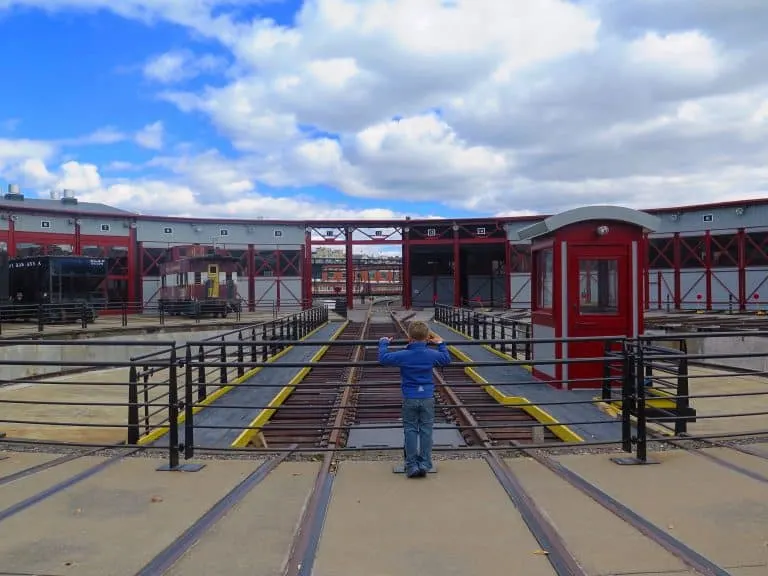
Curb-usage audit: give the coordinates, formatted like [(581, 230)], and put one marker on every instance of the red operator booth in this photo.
[(586, 281)]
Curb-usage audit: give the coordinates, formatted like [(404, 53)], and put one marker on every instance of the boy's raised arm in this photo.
[(386, 357), (443, 356)]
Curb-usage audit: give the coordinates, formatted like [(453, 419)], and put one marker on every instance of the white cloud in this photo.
[(179, 65), (689, 53), (151, 136), (22, 149), (504, 107)]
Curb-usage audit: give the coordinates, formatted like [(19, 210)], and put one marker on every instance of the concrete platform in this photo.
[(105, 386), (233, 409), (459, 521), (610, 546), (255, 537), (716, 511), (517, 381), (137, 323), (112, 524), (715, 381)]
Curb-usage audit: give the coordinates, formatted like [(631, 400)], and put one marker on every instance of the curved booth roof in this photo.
[(587, 213)]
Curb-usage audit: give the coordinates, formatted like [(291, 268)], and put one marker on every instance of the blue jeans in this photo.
[(418, 421)]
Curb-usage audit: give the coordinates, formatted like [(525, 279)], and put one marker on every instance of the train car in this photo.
[(5, 294), (61, 287), (199, 285)]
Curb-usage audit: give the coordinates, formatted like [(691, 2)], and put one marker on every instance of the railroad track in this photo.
[(377, 400), (304, 416), (562, 560), (504, 425), (378, 390)]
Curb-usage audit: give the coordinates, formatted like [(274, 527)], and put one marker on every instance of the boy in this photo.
[(416, 363)]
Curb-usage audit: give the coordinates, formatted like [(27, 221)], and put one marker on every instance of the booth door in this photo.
[(598, 305)]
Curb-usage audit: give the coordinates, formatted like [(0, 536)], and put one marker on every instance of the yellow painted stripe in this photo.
[(616, 413), (263, 417), (211, 398), (539, 414), (490, 349), (658, 403), (658, 392)]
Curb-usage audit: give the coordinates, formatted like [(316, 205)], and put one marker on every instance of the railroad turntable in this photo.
[(268, 448), (304, 481)]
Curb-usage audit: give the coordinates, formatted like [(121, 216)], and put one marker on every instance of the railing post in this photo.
[(606, 389), (264, 340), (173, 416), (682, 404), (145, 389), (485, 327), (642, 436), (189, 427), (133, 406), (253, 346), (40, 313), (633, 401), (528, 343), (201, 388), (503, 337), (223, 360), (493, 330), (475, 327), (240, 367)]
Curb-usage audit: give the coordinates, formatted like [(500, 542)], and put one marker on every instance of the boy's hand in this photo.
[(435, 339), (386, 339)]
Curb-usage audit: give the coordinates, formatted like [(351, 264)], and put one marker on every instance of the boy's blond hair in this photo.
[(418, 331)]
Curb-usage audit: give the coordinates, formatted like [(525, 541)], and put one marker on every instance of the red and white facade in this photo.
[(587, 267), (705, 257)]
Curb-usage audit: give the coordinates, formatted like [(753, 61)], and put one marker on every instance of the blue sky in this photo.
[(362, 109)]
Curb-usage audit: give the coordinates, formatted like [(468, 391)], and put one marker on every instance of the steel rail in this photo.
[(561, 559), (301, 556)]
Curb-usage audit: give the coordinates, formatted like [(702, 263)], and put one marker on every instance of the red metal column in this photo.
[(307, 272), (11, 237), (507, 274), (708, 267), (251, 270), (678, 265), (139, 274), (742, 246), (456, 267), (406, 273), (133, 265), (350, 269)]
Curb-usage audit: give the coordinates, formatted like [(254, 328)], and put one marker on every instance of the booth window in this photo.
[(598, 286), (545, 268)]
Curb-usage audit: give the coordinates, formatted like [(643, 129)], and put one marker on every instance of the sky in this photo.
[(384, 108)]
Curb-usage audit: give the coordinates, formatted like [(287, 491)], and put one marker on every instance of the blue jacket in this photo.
[(415, 363)]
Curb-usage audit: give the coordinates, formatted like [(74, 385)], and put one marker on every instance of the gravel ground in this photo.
[(9, 446)]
